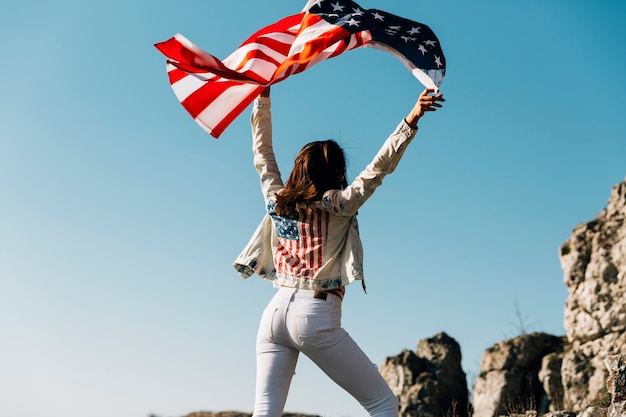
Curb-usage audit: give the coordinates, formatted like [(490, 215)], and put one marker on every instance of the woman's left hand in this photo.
[(427, 101)]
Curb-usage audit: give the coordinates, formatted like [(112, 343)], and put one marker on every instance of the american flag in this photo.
[(215, 92), (300, 250)]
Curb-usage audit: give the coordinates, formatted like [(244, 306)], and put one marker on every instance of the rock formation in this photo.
[(537, 372), (430, 381), (509, 378), (594, 266)]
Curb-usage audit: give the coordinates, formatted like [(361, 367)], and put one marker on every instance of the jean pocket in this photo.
[(314, 330)]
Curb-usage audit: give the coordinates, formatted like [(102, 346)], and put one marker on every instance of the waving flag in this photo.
[(215, 92)]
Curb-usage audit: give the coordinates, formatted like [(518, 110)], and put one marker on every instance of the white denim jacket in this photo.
[(341, 251)]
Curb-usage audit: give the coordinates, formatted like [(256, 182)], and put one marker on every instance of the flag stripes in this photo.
[(215, 92), (303, 257)]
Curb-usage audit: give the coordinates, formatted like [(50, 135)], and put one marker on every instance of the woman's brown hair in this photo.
[(320, 166)]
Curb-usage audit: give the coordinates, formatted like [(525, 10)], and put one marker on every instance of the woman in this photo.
[(308, 245)]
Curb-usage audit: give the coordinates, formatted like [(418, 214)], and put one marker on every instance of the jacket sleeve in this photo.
[(347, 202), (264, 159)]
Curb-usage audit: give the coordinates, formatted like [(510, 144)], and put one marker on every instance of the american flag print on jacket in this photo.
[(300, 248)]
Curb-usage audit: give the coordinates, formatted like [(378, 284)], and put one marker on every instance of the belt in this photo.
[(320, 295), (323, 295)]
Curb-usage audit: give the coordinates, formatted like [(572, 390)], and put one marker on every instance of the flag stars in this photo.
[(407, 39), (422, 49), (438, 61), (413, 30), (430, 43), (337, 7), (357, 11), (378, 16), (347, 20)]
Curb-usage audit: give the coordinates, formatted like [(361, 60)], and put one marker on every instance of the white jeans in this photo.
[(296, 322)]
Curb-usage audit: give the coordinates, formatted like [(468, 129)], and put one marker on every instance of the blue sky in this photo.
[(120, 217)]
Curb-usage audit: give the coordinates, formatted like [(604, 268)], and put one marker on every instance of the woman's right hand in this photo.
[(265, 92)]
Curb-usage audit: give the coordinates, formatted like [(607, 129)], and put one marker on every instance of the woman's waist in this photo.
[(294, 292)]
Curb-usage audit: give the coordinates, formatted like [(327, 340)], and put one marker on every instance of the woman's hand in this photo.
[(427, 101), (265, 92)]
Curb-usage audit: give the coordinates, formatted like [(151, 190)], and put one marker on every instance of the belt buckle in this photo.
[(320, 295)]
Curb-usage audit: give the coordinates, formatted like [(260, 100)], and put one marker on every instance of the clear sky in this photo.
[(120, 217)]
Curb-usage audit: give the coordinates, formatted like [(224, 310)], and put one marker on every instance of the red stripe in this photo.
[(288, 258), (275, 44), (171, 48), (312, 49), (200, 99), (280, 259), (235, 111), (220, 70), (281, 26), (258, 54), (296, 263), (190, 59), (176, 75)]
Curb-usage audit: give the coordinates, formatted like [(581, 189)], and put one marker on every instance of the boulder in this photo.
[(430, 381), (509, 379)]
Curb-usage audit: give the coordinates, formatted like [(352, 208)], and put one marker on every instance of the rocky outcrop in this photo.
[(509, 379), (570, 375), (594, 266), (430, 381)]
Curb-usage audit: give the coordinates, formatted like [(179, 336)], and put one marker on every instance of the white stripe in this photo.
[(185, 42), (184, 87), (324, 55), (224, 104), (294, 259), (283, 37), (427, 79), (260, 66), (240, 52), (233, 60), (306, 65), (311, 32)]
